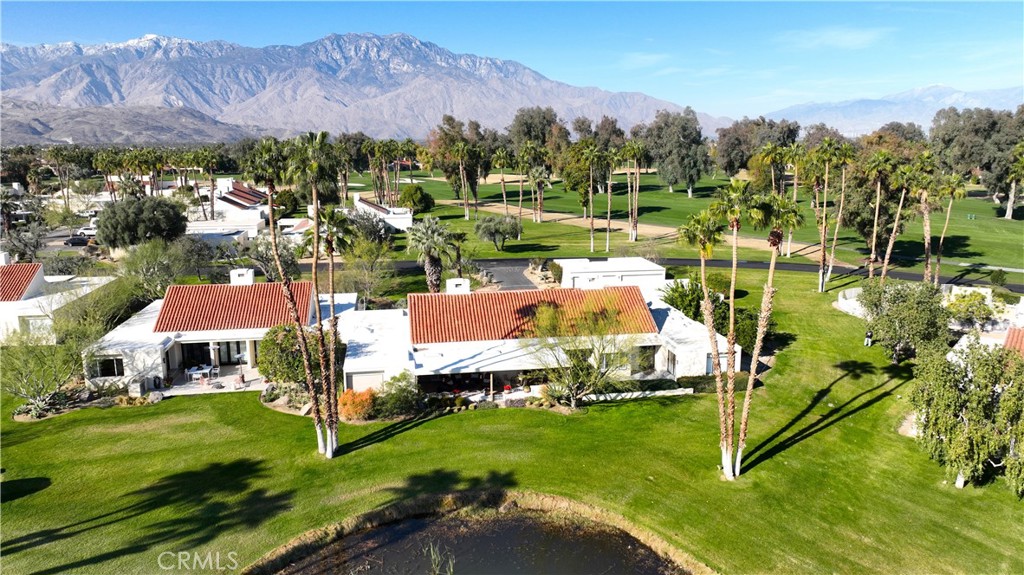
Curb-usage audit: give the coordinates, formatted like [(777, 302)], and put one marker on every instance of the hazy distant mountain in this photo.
[(856, 117), (35, 123), (386, 86)]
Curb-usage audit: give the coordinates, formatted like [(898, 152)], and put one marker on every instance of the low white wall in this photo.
[(848, 302)]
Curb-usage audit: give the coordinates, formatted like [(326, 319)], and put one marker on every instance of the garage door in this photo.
[(364, 381)]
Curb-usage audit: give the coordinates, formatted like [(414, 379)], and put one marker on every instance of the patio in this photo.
[(183, 384)]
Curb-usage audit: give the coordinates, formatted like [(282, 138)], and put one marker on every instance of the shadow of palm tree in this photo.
[(17, 488), (853, 369), (383, 434), (204, 503)]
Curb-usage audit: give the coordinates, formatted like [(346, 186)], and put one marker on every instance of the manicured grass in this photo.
[(830, 486)]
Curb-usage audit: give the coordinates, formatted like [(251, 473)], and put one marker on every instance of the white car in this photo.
[(87, 231)]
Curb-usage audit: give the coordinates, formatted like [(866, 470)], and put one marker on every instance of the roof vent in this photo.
[(457, 285)]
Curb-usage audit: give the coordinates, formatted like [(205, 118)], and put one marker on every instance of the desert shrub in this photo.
[(537, 263), (356, 406), (414, 198), (556, 271), (61, 265), (718, 282), (398, 396), (554, 393), (699, 383), (1006, 297), (127, 401), (461, 401), (486, 405), (997, 277), (517, 402), (969, 308)]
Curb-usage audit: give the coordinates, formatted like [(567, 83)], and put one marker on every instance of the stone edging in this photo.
[(312, 541)]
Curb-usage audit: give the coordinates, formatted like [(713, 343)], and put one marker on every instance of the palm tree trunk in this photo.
[(874, 229), (629, 203), (432, 267), (730, 353), (504, 198), (321, 344), (892, 236), (608, 214), (823, 206), (927, 225), (213, 197), (835, 232), (716, 369), (938, 252), (344, 185), (465, 188), (519, 235), (762, 327), (1010, 201), (590, 204), (293, 311)]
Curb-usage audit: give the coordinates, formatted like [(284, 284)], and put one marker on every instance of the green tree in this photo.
[(844, 154), (281, 358), (25, 242), (196, 252), (35, 369), (497, 230), (970, 410), (414, 198), (951, 187), (969, 308), (154, 266), (430, 238), (276, 267), (1016, 176), (906, 319), (678, 148), (135, 221), (369, 267), (906, 177), (879, 166)]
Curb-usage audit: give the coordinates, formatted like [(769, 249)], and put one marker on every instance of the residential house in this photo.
[(29, 299), (596, 273), (398, 218)]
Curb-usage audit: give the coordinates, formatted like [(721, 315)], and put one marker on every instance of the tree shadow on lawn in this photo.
[(952, 247), (17, 488), (204, 503), (853, 369), (518, 248), (383, 434)]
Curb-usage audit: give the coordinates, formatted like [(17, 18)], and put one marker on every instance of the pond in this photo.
[(517, 542)]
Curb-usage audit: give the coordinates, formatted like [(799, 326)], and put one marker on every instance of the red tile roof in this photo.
[(15, 279), (1015, 340), (245, 195), (485, 316), (210, 307)]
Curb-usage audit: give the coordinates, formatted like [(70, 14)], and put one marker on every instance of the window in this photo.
[(642, 359), (37, 324), (109, 367)]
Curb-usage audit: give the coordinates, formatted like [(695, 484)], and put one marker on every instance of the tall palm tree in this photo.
[(732, 200), (460, 151), (880, 166), (207, 159), (796, 154), (455, 241), (266, 164), (502, 160), (527, 157), (773, 155), (337, 232), (430, 238), (613, 157), (591, 156), (825, 153), (775, 212), (312, 162), (704, 232), (923, 191), (1016, 177), (634, 150), (906, 178), (539, 179), (952, 186), (844, 155)]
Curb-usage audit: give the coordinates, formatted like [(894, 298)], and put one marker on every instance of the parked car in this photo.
[(88, 213), (77, 241), (87, 231)]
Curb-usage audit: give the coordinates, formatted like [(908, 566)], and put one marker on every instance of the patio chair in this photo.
[(215, 372)]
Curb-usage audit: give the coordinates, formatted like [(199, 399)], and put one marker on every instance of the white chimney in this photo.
[(243, 277), (457, 285), (5, 259)]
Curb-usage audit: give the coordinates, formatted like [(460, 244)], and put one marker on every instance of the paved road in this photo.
[(838, 271), (507, 274)]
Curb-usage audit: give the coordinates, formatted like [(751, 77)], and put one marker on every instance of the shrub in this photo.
[(997, 277), (486, 405), (498, 230), (1006, 297), (556, 271), (969, 308), (527, 389), (699, 383), (518, 402), (537, 263), (414, 198), (461, 401), (398, 396), (356, 406)]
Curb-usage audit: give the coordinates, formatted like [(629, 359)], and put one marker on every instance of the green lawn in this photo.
[(830, 486)]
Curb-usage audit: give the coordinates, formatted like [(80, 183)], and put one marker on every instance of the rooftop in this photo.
[(217, 307), (15, 280), (501, 315)]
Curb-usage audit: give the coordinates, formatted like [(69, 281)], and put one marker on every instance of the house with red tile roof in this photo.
[(202, 325), (28, 298)]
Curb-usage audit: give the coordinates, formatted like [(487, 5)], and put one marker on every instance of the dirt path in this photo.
[(805, 250)]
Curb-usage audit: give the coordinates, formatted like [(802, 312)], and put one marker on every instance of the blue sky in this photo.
[(722, 58)]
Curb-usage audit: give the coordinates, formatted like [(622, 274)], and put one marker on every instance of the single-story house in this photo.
[(28, 299), (596, 273), (219, 325), (398, 218)]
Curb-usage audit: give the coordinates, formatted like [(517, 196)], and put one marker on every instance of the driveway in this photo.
[(509, 275)]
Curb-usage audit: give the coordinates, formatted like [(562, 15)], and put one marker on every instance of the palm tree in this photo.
[(825, 153), (207, 158), (539, 179), (502, 160), (266, 164), (796, 153), (613, 157), (344, 159), (844, 155), (460, 151), (591, 156), (527, 157), (880, 165), (311, 161), (634, 150), (926, 167), (776, 212), (952, 186), (430, 238), (336, 232), (906, 177), (455, 240), (774, 155), (705, 232), (729, 205)]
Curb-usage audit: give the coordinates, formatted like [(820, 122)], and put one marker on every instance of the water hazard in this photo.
[(519, 542)]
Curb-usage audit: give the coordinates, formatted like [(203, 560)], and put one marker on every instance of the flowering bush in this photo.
[(356, 405), (508, 388)]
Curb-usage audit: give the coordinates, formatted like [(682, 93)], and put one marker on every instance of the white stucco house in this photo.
[(597, 273), (28, 299), (398, 218)]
